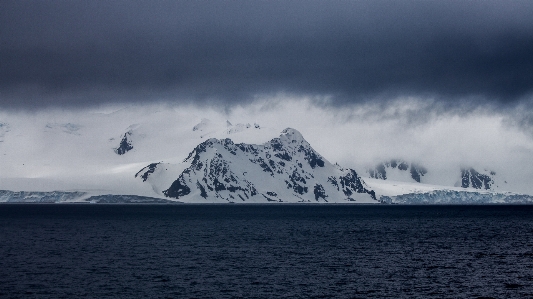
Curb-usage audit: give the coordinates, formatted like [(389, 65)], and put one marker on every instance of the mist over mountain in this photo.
[(466, 177), (99, 152), (393, 170)]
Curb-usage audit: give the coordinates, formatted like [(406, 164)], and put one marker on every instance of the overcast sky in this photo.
[(85, 53), (443, 83)]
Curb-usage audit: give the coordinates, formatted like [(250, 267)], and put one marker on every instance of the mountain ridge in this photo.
[(219, 169)]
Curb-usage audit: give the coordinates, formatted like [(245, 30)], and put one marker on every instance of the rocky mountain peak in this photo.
[(125, 144), (292, 136), (470, 178), (284, 169)]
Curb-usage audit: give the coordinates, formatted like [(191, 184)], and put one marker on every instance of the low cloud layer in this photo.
[(230, 53)]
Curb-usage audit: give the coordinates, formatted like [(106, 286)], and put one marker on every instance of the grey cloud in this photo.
[(78, 53)]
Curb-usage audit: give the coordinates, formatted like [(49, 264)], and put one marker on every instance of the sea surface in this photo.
[(265, 251)]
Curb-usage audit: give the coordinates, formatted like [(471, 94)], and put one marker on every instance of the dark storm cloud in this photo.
[(88, 52)]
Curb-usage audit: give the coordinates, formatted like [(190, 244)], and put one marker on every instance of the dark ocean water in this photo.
[(265, 251)]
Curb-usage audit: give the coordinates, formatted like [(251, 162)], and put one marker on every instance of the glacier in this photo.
[(442, 197), (7, 196)]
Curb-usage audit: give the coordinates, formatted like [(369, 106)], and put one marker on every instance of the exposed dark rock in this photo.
[(417, 171), (284, 156), (146, 171), (319, 192), (471, 178), (218, 185), (276, 144), (125, 144), (380, 170), (263, 165), (333, 181), (351, 183), (403, 166), (202, 190), (312, 157), (178, 188)]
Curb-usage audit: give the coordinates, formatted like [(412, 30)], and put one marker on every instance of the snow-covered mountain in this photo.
[(126, 140), (470, 178), (126, 144), (48, 155), (397, 170), (284, 169)]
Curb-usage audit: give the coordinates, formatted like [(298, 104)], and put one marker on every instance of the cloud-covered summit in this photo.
[(82, 53)]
